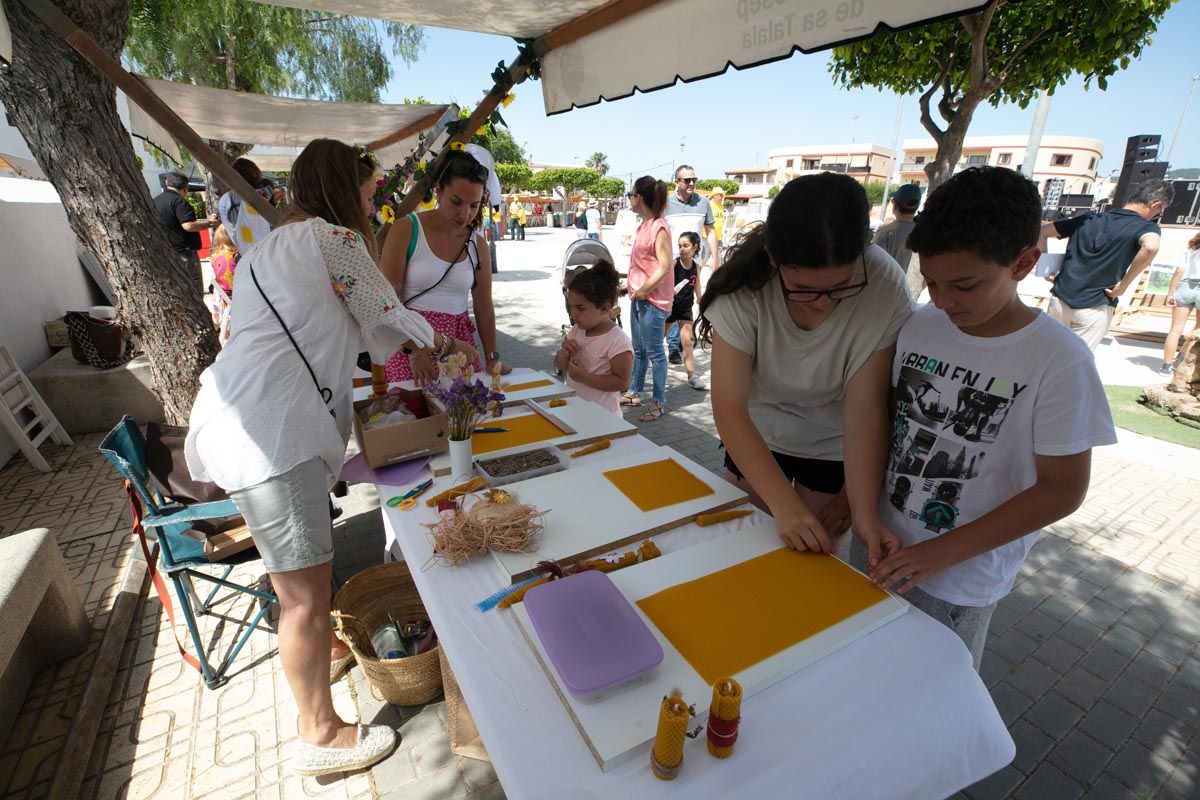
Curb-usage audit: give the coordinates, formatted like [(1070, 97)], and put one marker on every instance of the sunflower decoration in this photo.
[(508, 99), (458, 146), (387, 214)]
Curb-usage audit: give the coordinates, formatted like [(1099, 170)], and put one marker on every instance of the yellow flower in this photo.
[(457, 146), (508, 99), (387, 214)]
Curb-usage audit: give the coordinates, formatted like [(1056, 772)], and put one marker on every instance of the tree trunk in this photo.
[(950, 143), (67, 112)]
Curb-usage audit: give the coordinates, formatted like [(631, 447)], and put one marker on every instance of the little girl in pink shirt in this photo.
[(597, 356)]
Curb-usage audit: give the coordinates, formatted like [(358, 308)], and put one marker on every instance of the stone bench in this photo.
[(90, 400), (41, 613)]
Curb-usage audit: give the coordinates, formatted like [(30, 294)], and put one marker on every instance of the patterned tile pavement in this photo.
[(1092, 659)]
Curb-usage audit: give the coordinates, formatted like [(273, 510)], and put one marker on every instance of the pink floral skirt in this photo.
[(456, 326)]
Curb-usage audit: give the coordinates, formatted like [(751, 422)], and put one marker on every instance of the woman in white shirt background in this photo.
[(1183, 297), (272, 418)]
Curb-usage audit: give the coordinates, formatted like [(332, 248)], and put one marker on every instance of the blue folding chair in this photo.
[(178, 554)]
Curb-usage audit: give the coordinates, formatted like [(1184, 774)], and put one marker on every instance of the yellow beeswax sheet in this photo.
[(732, 619), (521, 430), (520, 387), (658, 484)]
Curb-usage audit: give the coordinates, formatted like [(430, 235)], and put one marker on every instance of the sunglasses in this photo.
[(631, 195), (687, 180), (810, 295)]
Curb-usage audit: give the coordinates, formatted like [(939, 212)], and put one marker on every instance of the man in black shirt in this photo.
[(1105, 255), (177, 219)]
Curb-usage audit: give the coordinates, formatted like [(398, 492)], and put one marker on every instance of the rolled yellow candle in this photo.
[(557, 402), (667, 756), (704, 520), (379, 382), (596, 447), (724, 716)]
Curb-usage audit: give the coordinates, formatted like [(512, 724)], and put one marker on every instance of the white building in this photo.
[(1074, 159)]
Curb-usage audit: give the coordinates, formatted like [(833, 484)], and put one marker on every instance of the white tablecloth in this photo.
[(899, 713)]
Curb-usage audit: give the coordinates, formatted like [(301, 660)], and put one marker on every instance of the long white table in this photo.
[(899, 713)]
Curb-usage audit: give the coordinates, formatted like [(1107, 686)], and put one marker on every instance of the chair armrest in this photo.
[(173, 514)]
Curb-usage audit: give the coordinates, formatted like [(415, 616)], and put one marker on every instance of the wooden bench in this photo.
[(43, 619)]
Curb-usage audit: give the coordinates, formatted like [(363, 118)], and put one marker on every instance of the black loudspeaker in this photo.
[(1075, 201), (1134, 175), (1185, 208), (1135, 147)]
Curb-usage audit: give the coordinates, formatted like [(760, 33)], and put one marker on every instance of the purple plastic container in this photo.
[(592, 634)]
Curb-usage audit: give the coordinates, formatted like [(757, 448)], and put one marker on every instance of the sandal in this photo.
[(631, 399), (652, 413)]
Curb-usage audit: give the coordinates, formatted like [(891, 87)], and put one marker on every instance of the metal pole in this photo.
[(1035, 134), (850, 146), (1179, 126), (887, 181)]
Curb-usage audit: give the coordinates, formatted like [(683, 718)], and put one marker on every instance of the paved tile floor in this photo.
[(1092, 659)]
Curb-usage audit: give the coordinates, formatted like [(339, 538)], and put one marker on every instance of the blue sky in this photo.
[(732, 120)]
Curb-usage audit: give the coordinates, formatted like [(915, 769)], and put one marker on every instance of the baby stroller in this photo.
[(580, 254)]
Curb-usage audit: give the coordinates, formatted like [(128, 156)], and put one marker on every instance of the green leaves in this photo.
[(254, 47), (572, 179), (513, 177), (708, 184)]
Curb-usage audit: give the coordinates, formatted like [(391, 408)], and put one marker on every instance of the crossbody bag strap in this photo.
[(326, 394)]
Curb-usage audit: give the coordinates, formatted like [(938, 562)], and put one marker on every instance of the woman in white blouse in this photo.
[(272, 418)]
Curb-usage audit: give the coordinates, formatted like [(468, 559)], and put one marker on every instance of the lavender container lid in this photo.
[(592, 634)]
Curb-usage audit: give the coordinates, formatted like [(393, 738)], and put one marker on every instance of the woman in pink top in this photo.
[(651, 292), (596, 355)]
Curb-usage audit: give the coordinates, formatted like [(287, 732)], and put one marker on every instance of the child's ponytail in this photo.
[(598, 283)]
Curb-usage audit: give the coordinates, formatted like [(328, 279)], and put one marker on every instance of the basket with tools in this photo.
[(379, 614)]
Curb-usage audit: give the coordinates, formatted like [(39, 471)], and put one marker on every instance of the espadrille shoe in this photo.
[(375, 742)]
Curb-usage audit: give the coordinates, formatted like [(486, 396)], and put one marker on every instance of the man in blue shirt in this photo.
[(1105, 255)]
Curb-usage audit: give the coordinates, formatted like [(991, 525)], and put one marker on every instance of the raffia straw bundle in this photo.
[(507, 526)]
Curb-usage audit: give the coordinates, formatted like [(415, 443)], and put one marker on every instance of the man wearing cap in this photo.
[(893, 236)]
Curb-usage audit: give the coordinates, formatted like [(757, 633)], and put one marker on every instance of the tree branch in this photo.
[(927, 119)]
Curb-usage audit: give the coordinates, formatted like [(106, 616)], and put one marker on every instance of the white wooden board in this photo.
[(590, 421), (587, 515), (622, 726), (556, 388)]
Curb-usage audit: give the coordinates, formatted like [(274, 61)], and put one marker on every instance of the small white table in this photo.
[(899, 713)]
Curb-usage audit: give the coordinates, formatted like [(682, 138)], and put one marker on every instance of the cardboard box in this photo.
[(392, 444)]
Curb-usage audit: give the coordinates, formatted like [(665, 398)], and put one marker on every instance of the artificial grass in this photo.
[(1131, 415)]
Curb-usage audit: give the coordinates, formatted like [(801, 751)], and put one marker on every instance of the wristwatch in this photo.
[(494, 355)]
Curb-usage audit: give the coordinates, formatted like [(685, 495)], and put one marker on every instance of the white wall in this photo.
[(40, 275)]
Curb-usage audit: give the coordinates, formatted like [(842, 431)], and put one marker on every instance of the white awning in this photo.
[(21, 167), (282, 123), (666, 41)]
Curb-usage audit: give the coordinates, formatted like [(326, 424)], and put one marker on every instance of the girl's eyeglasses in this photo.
[(810, 295)]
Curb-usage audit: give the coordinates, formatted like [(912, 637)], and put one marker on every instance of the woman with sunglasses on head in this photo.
[(436, 259), (803, 317), (272, 418)]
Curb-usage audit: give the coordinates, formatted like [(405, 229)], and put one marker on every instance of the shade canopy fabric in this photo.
[(282, 122), (645, 45)]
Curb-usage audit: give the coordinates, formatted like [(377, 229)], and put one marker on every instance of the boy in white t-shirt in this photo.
[(997, 408)]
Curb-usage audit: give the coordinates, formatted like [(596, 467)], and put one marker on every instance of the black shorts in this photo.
[(814, 474), (680, 315)]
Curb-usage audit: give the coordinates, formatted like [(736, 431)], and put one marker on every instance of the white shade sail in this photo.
[(658, 43), (282, 122)]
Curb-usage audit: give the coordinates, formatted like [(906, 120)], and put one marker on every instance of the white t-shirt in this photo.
[(1191, 265), (243, 224), (971, 414), (593, 220), (799, 377), (258, 413)]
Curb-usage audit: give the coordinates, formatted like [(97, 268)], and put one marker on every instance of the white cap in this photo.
[(493, 183)]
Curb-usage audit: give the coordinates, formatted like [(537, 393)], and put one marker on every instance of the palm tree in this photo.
[(599, 162)]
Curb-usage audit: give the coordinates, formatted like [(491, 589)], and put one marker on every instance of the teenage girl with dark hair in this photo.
[(438, 258), (651, 294), (596, 355), (803, 317), (687, 289)]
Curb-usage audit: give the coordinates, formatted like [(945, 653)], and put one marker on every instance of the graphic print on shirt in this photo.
[(947, 415)]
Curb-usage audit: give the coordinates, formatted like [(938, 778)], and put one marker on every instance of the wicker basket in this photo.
[(360, 607)]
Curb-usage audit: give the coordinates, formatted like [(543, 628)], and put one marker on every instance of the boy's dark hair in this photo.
[(175, 180), (993, 212), (820, 220), (598, 283)]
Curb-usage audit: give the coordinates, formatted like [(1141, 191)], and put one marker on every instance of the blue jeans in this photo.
[(647, 321), (595, 237), (673, 340)]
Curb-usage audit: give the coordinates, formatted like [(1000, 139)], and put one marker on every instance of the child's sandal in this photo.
[(652, 413), (630, 399)]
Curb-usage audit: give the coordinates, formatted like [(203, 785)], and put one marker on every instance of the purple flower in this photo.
[(466, 404)]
